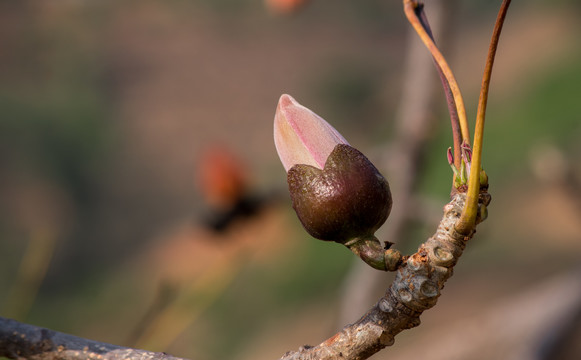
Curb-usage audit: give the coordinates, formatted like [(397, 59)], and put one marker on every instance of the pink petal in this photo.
[(301, 136)]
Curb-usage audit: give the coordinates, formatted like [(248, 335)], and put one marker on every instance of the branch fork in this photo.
[(421, 276), (418, 283)]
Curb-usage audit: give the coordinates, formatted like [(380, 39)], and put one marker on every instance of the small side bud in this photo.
[(483, 179), (450, 156)]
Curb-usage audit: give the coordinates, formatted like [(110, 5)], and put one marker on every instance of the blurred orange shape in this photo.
[(284, 6), (222, 177)]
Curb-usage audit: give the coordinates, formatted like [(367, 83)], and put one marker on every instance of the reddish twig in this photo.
[(411, 11), (450, 102)]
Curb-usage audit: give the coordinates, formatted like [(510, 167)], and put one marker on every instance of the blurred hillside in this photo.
[(108, 107)]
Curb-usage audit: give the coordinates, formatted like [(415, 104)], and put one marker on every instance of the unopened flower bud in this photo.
[(336, 191)]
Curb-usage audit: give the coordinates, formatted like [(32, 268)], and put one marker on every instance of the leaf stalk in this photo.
[(469, 213)]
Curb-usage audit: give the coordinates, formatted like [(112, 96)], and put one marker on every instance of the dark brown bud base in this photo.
[(349, 198)]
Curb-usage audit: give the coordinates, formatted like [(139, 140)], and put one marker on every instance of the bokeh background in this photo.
[(143, 203)]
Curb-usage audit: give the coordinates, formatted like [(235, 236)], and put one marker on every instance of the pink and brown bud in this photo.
[(336, 191)]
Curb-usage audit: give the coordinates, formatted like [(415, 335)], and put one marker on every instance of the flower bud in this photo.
[(336, 191)]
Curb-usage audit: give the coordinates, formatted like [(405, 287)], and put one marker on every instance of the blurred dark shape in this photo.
[(224, 184), (562, 340), (245, 207)]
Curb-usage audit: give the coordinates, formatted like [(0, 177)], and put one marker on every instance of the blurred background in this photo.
[(143, 203)]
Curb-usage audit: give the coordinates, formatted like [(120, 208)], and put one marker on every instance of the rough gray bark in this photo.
[(416, 288), (23, 341)]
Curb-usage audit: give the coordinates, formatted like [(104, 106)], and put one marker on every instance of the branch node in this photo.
[(393, 259), (385, 305), (442, 256)]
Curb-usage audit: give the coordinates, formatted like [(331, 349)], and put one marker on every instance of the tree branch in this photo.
[(416, 288), (23, 341)]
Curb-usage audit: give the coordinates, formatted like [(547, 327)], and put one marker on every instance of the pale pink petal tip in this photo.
[(301, 136)]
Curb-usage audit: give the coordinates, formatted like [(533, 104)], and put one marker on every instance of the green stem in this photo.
[(469, 213)]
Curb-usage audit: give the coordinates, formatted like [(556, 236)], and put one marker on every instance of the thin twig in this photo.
[(187, 306)]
